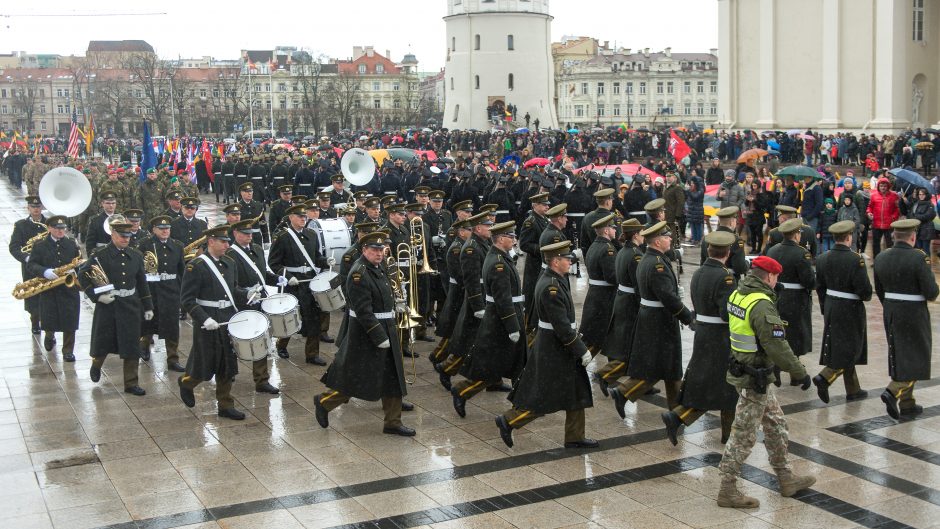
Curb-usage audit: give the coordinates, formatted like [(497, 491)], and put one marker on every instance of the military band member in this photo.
[(438, 221), (557, 224), (241, 173), (455, 295), (295, 254), (360, 198), (656, 351), (188, 227), (602, 285), (704, 387), (312, 210), (757, 338), (95, 235), (279, 207), (728, 221), (323, 204), (115, 328), (605, 204), (472, 254), (842, 286), (174, 208), (498, 350), (529, 236), (386, 202), (373, 210), (554, 378), (251, 270), (368, 363), (414, 211), (905, 283), (228, 179), (165, 287), (626, 305), (59, 307), (23, 231), (338, 194), (135, 216), (807, 235), (210, 293), (250, 208), (348, 215), (796, 283), (354, 252)]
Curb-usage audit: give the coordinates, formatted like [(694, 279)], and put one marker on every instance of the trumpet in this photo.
[(419, 241), (38, 285)]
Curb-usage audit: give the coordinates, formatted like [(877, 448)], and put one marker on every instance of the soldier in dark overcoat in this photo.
[(498, 351), (250, 209), (728, 222), (532, 228), (656, 352), (554, 377), (905, 283), (59, 307), (598, 306), (704, 387), (165, 285), (843, 287), (188, 227), (368, 362), (794, 288), (23, 231), (451, 311), (119, 310), (807, 235)]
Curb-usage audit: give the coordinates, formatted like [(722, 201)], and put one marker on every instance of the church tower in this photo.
[(498, 54)]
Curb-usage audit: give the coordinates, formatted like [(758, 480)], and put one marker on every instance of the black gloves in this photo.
[(807, 382)]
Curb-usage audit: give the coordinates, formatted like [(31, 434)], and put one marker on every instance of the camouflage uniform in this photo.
[(187, 190), (151, 198), (121, 192)]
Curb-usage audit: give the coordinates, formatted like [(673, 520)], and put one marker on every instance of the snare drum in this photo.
[(334, 237), (284, 312), (251, 335), (326, 290)]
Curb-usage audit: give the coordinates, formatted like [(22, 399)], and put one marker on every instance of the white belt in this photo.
[(546, 325), (160, 277), (100, 244), (599, 283), (544, 265), (229, 174), (628, 290), (223, 304), (390, 192), (501, 212), (651, 303), (518, 202), (515, 299), (257, 178), (575, 214), (637, 213), (124, 292), (840, 294), (298, 269), (904, 297), (304, 185), (242, 175), (452, 281), (378, 315), (710, 319), (791, 286)]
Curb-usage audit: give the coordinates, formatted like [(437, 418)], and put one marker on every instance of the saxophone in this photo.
[(28, 247), (38, 285)]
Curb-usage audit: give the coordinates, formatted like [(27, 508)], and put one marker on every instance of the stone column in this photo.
[(892, 92), (767, 43), (831, 63), (727, 31)]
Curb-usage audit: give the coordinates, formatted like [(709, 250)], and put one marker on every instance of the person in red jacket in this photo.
[(882, 210)]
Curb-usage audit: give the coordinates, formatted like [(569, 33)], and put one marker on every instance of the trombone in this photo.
[(420, 242), (407, 317)]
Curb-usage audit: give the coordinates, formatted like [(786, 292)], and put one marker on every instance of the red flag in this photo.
[(678, 148), (207, 159)]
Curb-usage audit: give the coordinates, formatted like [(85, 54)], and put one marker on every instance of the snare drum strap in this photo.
[(215, 271), (251, 263), (303, 250)]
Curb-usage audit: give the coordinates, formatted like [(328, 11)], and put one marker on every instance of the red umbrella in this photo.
[(536, 162), (339, 152), (629, 169), (430, 154)]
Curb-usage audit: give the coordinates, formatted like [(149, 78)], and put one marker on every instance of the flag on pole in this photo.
[(90, 135), (678, 148), (190, 166), (147, 154), (73, 137), (207, 159)]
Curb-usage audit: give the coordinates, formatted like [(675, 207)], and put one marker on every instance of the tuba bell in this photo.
[(65, 191), (358, 166)]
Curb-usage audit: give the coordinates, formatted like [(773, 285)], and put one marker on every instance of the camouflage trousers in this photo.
[(755, 410)]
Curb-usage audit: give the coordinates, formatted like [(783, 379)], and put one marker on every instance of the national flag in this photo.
[(74, 134), (678, 148), (207, 159), (148, 155), (190, 166), (90, 135)]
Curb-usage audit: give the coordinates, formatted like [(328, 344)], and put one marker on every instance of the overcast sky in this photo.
[(220, 29)]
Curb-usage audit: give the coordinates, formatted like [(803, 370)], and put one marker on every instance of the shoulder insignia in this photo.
[(356, 277), (347, 258), (729, 280), (469, 250), (861, 263), (807, 256), (552, 291), (455, 251), (527, 223), (499, 267), (638, 258), (660, 267), (189, 267)]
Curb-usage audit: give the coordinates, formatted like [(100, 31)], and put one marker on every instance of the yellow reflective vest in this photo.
[(743, 338)]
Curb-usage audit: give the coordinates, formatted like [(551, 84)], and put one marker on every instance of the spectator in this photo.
[(812, 202), (695, 211), (882, 210), (828, 217), (730, 193), (922, 209), (862, 197)]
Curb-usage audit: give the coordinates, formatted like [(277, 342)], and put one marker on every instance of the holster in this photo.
[(759, 374)]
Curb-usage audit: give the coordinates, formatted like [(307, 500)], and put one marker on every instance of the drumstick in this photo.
[(231, 321)]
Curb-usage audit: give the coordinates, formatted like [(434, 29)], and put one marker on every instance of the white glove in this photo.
[(210, 325), (512, 253), (148, 315), (401, 307), (330, 260), (479, 314), (514, 337), (282, 281), (254, 291), (681, 291), (586, 358), (293, 282), (385, 345), (50, 275), (680, 251), (27, 258), (106, 298), (437, 240)]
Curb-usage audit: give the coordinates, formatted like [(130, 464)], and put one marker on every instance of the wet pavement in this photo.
[(76, 454)]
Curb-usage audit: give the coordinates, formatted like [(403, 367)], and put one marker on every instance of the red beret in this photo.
[(767, 263)]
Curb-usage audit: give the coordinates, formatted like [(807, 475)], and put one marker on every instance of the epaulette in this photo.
[(610, 249), (226, 257), (808, 256), (135, 250), (528, 222), (729, 278)]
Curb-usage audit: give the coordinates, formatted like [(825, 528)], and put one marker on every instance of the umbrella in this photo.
[(430, 154), (708, 131), (773, 144), (932, 131), (603, 145), (801, 171), (573, 131), (774, 152), (536, 162), (379, 155), (425, 129), (807, 136), (402, 154), (339, 152), (324, 147), (911, 178), (363, 137), (510, 157), (924, 145), (751, 154), (642, 129), (522, 130)]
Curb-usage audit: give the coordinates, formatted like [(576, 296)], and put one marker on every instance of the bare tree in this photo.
[(183, 95), (112, 99), (24, 101), (152, 76), (342, 96), (227, 100), (308, 72)]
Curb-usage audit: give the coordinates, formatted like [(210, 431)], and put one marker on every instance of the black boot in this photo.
[(672, 422), (822, 388), (460, 403)]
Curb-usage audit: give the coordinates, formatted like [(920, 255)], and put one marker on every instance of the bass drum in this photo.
[(333, 235), (250, 331)]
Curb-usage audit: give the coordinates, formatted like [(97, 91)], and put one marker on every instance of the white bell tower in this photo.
[(498, 54)]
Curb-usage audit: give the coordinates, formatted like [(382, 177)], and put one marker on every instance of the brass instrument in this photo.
[(418, 240), (28, 247), (193, 249), (95, 273), (407, 317), (38, 285), (151, 264)]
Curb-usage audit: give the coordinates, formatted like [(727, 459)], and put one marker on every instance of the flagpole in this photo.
[(251, 105), (271, 97)]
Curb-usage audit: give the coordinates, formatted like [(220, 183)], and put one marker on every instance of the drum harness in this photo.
[(222, 304), (302, 251), (251, 263)]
